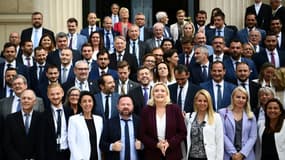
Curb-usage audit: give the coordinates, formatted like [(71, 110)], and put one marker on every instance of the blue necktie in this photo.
[(27, 120), (219, 97), (108, 42), (145, 95), (127, 141), (179, 102), (19, 105), (58, 128), (204, 72)]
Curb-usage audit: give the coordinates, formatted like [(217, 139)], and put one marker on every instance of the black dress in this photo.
[(93, 139), (268, 147)]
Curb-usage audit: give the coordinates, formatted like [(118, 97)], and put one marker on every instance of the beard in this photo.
[(125, 112)]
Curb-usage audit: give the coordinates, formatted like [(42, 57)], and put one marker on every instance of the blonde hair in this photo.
[(193, 28), (247, 107), (151, 101), (210, 110), (280, 77)]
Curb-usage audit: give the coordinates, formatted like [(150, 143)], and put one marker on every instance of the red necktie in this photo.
[(272, 58)]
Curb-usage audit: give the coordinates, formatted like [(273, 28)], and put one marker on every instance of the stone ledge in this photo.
[(15, 18)]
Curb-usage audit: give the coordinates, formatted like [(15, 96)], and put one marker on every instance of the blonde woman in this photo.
[(204, 130), (239, 127), (278, 81), (162, 126)]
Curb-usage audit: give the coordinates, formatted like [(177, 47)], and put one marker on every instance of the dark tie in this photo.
[(27, 121), (81, 85), (108, 42), (41, 68), (9, 65), (272, 58), (120, 57), (11, 93), (219, 97), (204, 72), (134, 49), (145, 95), (19, 105), (107, 107), (187, 59), (179, 102), (58, 128), (243, 85), (103, 72), (28, 61), (70, 41), (219, 32), (127, 141), (64, 78), (218, 58), (91, 30), (123, 92)]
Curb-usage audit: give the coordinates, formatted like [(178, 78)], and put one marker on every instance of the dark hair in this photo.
[(36, 13), (180, 68), (167, 40), (101, 39), (86, 93), (101, 80), (52, 47), (168, 54), (219, 14), (71, 20), (268, 128), (201, 12), (125, 96), (122, 64), (86, 45), (52, 66), (262, 68), (11, 69), (274, 19), (7, 45), (186, 40), (216, 62), (156, 75), (102, 52), (26, 41)]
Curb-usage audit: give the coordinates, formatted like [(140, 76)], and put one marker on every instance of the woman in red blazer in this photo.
[(163, 128), (124, 23)]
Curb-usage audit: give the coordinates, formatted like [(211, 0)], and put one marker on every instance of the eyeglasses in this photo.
[(82, 69)]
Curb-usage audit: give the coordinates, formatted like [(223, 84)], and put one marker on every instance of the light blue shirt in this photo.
[(132, 139)]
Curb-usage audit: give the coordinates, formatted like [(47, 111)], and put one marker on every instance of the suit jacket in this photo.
[(263, 17), (99, 110), (213, 136), (18, 144), (93, 86), (147, 32), (48, 134), (27, 34), (174, 30), (112, 133), (70, 75), (150, 44), (282, 41), (249, 134), (19, 59), (127, 57), (54, 57), (230, 75), (81, 39), (142, 51), (228, 35), (280, 14), (182, 60), (6, 105), (278, 138), (114, 34), (137, 96), (191, 91), (33, 71), (196, 74), (1, 134), (94, 74), (260, 58), (224, 58), (167, 31), (130, 86), (78, 136), (85, 31), (243, 35), (175, 132), (227, 92)]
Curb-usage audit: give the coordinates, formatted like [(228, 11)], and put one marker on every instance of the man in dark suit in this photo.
[(219, 47), (270, 54), (201, 39), (66, 66), (107, 97), (275, 27), (61, 43), (35, 33), (109, 34), (157, 38), (75, 40), (255, 39), (92, 18), (183, 91), (122, 54), (263, 13), (81, 71), (53, 135), (141, 94), (242, 74), (21, 138), (219, 89), (7, 90), (25, 57), (9, 53), (134, 45), (235, 57), (37, 72), (220, 30), (124, 85), (162, 18), (12, 104), (145, 32), (115, 143), (278, 11), (200, 21), (201, 69), (187, 56), (103, 60)]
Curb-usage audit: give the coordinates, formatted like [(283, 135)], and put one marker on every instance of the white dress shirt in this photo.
[(183, 94), (216, 90)]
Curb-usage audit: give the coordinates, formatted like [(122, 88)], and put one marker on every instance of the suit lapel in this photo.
[(19, 119)]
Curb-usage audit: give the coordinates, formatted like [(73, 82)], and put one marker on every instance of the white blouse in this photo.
[(161, 126)]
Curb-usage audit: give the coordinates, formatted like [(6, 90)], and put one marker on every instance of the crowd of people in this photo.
[(188, 90)]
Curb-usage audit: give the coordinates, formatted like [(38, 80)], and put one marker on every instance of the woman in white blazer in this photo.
[(84, 131), (271, 132), (204, 130)]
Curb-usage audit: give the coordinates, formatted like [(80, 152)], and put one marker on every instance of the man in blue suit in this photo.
[(107, 98), (250, 23), (235, 57), (75, 40), (219, 89), (187, 56), (220, 30), (113, 141), (92, 18)]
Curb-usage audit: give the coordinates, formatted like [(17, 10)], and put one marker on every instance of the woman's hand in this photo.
[(162, 145)]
